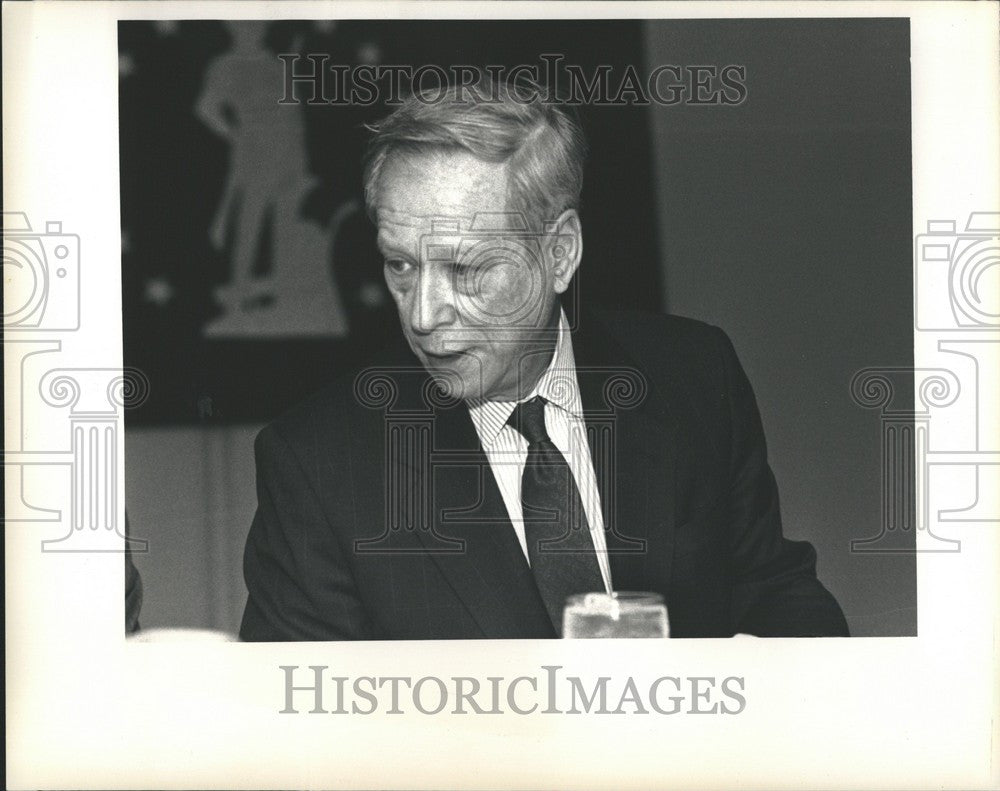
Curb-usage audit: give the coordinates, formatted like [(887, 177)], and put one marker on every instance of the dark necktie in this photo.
[(560, 549)]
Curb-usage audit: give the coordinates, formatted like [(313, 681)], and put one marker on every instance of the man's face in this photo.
[(476, 308)]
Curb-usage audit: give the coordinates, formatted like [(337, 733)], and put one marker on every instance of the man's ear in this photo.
[(565, 249)]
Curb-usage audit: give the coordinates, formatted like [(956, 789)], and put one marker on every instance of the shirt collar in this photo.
[(557, 385)]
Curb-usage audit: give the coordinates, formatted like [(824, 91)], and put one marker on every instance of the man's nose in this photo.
[(434, 305)]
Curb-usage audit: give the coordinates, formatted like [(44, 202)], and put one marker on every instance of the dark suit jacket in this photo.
[(379, 517)]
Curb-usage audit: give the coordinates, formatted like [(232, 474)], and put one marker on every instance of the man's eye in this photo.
[(398, 266)]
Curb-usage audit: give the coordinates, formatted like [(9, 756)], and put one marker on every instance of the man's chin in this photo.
[(454, 385), (453, 379)]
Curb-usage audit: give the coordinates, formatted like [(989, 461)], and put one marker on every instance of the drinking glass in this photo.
[(621, 614)]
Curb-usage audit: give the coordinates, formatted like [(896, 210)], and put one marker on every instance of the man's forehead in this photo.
[(449, 183)]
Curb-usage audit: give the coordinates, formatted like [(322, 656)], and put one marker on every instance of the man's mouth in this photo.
[(448, 356)]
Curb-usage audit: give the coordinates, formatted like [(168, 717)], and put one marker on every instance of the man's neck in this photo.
[(545, 353)]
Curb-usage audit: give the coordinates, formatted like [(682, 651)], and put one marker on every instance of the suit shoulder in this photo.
[(658, 333), (349, 400), (686, 357)]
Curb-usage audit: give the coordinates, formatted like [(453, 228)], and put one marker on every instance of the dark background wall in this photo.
[(784, 219)]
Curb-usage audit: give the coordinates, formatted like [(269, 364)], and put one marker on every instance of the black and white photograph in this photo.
[(389, 247), (393, 391)]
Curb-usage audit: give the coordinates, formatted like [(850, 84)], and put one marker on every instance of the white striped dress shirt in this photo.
[(507, 450)]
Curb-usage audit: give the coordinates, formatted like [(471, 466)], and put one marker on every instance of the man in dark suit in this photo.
[(508, 453)]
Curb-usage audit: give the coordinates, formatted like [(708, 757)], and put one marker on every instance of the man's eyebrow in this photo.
[(386, 239), (387, 244), (386, 216)]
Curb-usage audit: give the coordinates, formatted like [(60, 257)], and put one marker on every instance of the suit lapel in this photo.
[(633, 438), (471, 538)]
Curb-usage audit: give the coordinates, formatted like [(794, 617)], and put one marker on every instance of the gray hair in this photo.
[(540, 143)]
